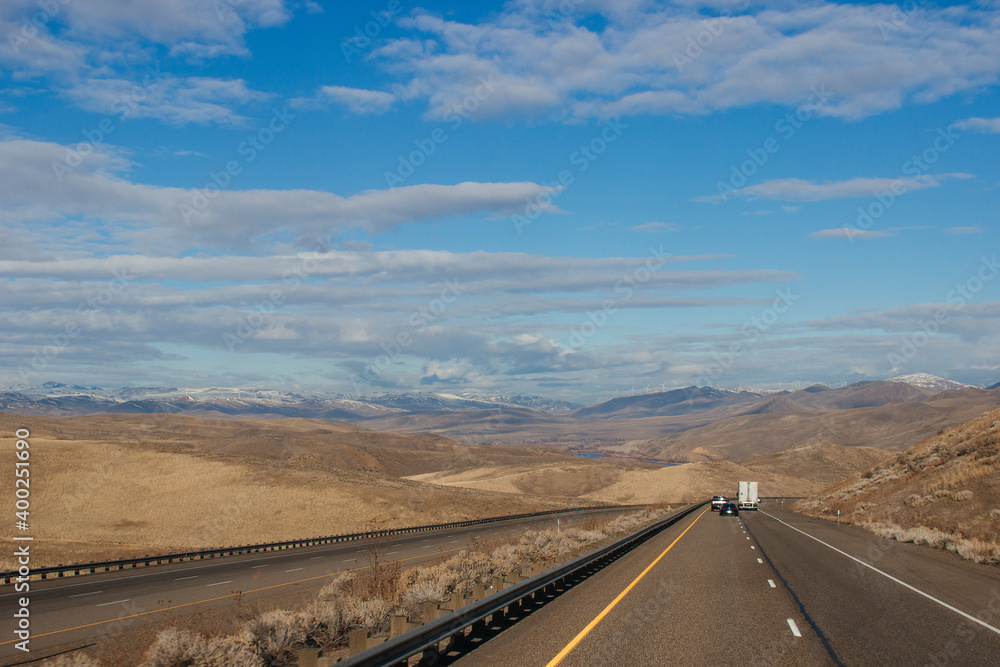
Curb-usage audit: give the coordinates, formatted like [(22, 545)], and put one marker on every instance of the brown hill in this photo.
[(891, 426), (303, 443), (122, 485), (822, 463), (945, 491), (790, 473)]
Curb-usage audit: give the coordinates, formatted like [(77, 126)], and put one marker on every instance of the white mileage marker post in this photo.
[(22, 548)]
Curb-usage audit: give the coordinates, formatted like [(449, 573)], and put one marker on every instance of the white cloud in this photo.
[(799, 189), (199, 100), (90, 51), (987, 125), (357, 100), (656, 227), (655, 60), (849, 233), (30, 189), (965, 230)]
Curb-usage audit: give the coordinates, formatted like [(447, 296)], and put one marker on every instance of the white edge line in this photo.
[(795, 628), (889, 576), (105, 604)]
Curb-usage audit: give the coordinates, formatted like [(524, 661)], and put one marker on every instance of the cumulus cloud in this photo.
[(99, 55), (357, 100), (599, 60)]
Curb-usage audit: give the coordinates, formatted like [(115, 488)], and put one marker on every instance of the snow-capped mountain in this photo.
[(526, 400), (55, 398), (930, 382)]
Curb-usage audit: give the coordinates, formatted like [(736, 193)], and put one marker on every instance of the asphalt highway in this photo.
[(86, 607), (767, 588)]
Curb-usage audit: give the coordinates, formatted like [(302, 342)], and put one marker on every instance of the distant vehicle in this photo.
[(746, 498), (729, 509), (718, 501)]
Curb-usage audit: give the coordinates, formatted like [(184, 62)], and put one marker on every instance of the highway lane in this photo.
[(82, 608), (871, 618), (709, 600)]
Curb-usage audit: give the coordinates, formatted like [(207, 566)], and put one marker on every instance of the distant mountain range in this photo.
[(57, 399), (687, 424)]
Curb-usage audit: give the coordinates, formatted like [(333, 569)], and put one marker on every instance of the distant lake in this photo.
[(598, 456)]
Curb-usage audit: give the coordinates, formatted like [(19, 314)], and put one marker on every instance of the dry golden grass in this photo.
[(794, 472), (944, 492), (92, 500), (697, 481)]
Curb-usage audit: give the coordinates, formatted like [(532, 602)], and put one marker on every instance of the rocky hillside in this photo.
[(944, 491)]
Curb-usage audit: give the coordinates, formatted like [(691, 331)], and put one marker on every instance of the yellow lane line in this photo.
[(593, 624)]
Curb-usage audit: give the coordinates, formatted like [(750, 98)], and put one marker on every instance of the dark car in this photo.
[(729, 509), (718, 501)]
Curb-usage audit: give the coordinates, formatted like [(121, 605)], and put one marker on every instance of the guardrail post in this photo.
[(308, 657), (359, 641), (478, 592), (401, 624)]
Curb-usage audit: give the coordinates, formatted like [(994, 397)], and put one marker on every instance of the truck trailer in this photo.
[(746, 499)]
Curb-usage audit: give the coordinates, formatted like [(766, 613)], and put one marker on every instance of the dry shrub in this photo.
[(181, 648), (962, 496), (978, 551), (368, 598)]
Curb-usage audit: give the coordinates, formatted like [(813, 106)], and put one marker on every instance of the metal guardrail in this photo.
[(145, 561), (425, 639)]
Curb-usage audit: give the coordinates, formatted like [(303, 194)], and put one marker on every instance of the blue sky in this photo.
[(565, 198)]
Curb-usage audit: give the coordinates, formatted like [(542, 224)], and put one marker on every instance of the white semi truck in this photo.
[(746, 499)]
